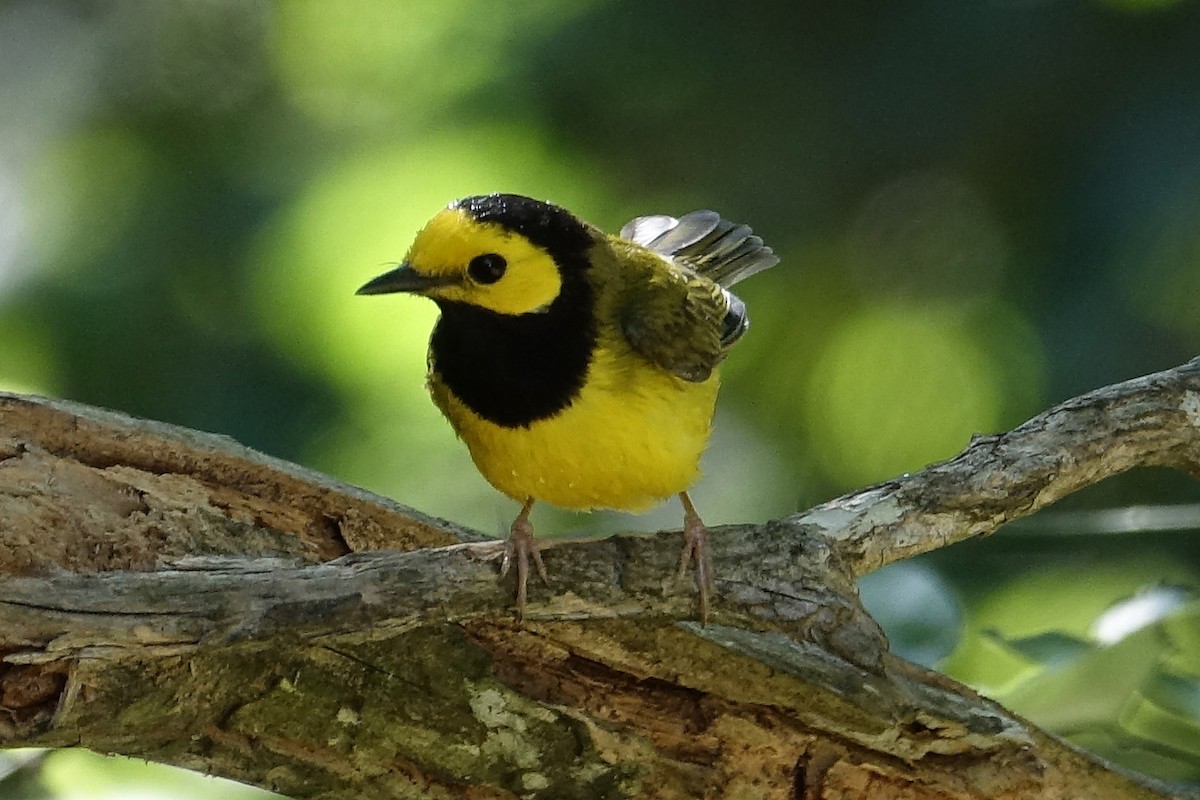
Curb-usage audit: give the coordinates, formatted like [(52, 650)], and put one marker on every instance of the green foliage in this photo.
[(1116, 669)]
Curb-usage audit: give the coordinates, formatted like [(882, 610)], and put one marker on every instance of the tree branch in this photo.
[(173, 595), (1152, 421)]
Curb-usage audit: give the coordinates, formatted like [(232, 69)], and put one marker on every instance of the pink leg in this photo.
[(695, 551), (521, 544)]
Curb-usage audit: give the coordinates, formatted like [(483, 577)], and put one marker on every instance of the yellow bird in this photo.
[(579, 367)]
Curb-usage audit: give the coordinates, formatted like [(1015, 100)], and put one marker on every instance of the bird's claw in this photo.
[(518, 548), (695, 552)]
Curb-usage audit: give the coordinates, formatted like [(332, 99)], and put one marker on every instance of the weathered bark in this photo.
[(175, 596)]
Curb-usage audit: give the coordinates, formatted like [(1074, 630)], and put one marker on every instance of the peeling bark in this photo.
[(172, 595)]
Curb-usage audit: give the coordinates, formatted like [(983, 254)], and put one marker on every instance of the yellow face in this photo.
[(483, 264)]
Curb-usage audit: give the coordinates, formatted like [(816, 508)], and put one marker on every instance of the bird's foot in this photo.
[(518, 548), (695, 551)]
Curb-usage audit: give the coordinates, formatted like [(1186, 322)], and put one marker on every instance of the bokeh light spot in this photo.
[(76, 774), (896, 389)]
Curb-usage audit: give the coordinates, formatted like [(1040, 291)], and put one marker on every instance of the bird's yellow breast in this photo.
[(632, 437)]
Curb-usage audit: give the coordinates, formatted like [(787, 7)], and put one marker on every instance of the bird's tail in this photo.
[(716, 248)]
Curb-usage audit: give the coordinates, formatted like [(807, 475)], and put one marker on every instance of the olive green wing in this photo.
[(683, 318), (679, 322)]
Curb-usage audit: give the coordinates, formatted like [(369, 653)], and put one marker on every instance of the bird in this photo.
[(580, 368)]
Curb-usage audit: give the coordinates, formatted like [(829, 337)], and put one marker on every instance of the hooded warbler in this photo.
[(580, 368)]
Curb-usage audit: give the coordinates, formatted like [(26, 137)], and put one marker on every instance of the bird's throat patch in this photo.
[(516, 370)]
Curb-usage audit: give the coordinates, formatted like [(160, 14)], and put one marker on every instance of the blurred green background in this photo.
[(982, 208)]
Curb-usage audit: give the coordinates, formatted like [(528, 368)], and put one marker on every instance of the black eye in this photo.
[(487, 268)]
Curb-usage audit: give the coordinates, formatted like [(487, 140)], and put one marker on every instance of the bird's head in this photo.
[(506, 253)]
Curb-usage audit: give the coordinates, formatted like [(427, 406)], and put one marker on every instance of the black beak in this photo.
[(402, 279)]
